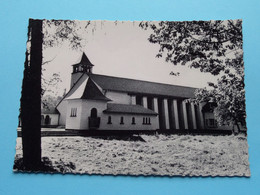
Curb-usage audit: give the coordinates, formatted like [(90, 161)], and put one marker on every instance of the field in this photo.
[(171, 155)]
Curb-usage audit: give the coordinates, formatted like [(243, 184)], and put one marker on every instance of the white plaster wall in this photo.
[(155, 122), (118, 97), (62, 108), (116, 118), (83, 112), (73, 122), (87, 105), (54, 118)]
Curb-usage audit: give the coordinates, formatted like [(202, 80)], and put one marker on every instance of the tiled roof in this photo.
[(92, 92), (132, 86), (142, 87), (87, 90), (128, 109)]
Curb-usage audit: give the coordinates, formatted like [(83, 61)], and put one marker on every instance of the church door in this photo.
[(93, 113), (94, 120)]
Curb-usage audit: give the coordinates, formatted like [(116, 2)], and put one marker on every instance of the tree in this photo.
[(210, 46), (31, 98), (38, 38), (48, 91)]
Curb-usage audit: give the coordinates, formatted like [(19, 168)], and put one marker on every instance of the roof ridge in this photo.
[(128, 105), (144, 81), (70, 90), (128, 108)]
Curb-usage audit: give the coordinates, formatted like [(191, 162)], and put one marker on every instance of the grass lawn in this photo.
[(158, 155)]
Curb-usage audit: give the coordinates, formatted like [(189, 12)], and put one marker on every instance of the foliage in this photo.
[(229, 95), (48, 86), (59, 31), (49, 102), (56, 33), (210, 46)]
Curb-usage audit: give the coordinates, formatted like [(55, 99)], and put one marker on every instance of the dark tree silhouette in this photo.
[(38, 38), (31, 98)]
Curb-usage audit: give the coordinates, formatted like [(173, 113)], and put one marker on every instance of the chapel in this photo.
[(102, 102)]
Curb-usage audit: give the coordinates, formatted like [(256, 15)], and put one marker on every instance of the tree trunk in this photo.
[(31, 98)]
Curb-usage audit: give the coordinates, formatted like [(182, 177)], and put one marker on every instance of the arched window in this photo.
[(109, 120), (47, 120), (93, 113), (121, 120), (133, 120), (146, 120), (149, 121), (143, 120)]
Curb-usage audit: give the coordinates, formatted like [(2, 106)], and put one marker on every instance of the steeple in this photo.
[(83, 66)]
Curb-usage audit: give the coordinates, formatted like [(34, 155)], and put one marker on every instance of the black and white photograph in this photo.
[(152, 98)]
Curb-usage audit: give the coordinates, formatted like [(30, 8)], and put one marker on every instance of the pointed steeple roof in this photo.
[(85, 61)]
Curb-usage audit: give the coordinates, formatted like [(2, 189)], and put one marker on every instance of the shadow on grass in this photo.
[(120, 138), (46, 166)]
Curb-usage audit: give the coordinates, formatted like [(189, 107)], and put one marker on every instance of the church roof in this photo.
[(92, 92), (131, 86), (128, 109), (84, 61), (142, 87), (87, 90)]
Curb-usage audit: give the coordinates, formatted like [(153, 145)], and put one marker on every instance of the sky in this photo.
[(120, 50)]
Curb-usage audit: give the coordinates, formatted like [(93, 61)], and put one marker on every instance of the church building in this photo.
[(100, 102)]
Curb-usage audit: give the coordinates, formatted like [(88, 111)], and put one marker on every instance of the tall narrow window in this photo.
[(73, 112), (109, 120), (133, 120), (146, 121), (121, 120)]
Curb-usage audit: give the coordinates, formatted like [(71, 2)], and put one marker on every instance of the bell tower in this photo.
[(83, 67)]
